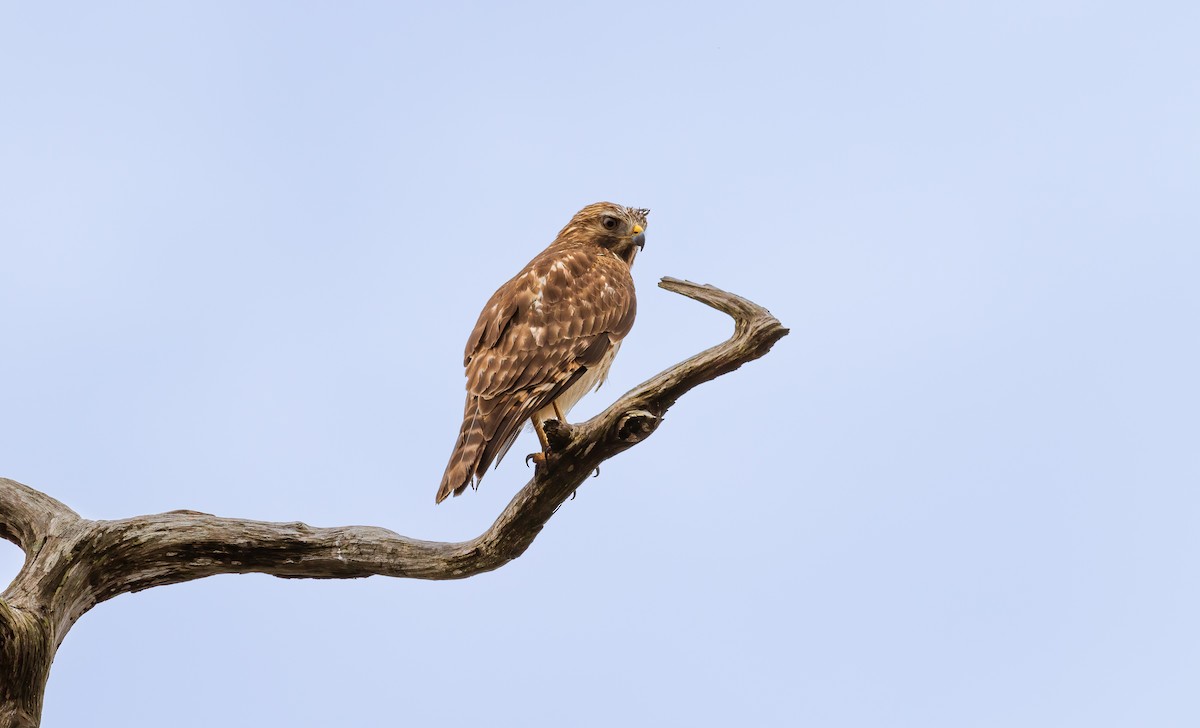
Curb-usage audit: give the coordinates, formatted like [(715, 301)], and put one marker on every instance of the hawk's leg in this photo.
[(553, 434), (539, 457)]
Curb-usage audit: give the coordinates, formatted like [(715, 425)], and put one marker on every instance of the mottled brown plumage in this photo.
[(547, 336)]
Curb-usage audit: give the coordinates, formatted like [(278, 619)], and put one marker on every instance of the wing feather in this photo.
[(537, 334)]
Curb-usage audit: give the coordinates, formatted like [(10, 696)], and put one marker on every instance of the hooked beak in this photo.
[(639, 236)]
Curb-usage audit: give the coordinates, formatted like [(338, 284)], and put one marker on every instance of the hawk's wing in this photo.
[(536, 336)]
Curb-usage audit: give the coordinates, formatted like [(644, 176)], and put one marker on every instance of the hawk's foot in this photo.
[(555, 435)]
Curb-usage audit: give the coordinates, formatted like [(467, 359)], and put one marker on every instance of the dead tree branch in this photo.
[(73, 563)]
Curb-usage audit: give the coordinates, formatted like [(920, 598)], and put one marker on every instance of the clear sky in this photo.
[(242, 245)]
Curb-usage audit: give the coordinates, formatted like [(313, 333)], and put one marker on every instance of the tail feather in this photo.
[(489, 428), (485, 435), (468, 449)]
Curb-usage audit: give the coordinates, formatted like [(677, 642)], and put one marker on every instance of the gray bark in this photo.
[(73, 563)]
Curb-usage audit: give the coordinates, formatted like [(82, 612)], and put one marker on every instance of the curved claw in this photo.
[(537, 457)]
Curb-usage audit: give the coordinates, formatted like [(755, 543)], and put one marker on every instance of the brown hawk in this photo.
[(547, 337)]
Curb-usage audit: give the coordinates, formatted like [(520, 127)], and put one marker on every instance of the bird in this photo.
[(547, 337)]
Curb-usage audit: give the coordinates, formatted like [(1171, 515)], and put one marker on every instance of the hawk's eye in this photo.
[(609, 223)]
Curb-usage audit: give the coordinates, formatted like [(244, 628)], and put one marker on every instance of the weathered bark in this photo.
[(73, 563)]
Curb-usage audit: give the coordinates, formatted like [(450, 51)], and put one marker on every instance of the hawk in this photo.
[(546, 337)]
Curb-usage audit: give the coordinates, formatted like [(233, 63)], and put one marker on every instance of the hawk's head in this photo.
[(620, 229)]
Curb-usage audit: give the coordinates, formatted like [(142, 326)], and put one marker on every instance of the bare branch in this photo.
[(32, 520), (73, 563), (146, 551), (27, 516)]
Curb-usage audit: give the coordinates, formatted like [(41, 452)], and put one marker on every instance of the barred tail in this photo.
[(488, 430), (468, 449)]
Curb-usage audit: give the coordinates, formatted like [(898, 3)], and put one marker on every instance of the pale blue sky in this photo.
[(243, 244)]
